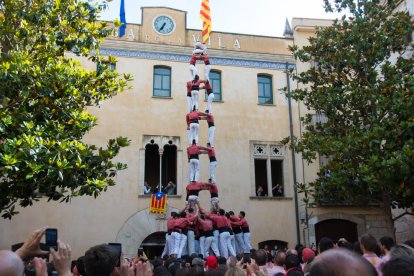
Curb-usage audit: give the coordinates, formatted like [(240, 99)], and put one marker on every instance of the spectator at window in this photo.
[(147, 188), (260, 191), (277, 190), (170, 188)]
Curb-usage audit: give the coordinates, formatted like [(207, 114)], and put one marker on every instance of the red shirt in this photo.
[(206, 224), (170, 223), (211, 152), (187, 119), (194, 150), (221, 221), (195, 115), (184, 222), (212, 188), (210, 118), (195, 186), (207, 86), (194, 85), (242, 222), (202, 57)]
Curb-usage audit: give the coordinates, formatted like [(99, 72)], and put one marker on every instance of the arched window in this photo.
[(152, 165), (265, 89), (336, 229), (169, 168), (162, 82), (215, 79)]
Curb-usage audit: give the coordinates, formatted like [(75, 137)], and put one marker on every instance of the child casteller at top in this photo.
[(200, 53)]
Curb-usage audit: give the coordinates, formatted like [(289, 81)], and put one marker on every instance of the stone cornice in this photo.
[(182, 54)]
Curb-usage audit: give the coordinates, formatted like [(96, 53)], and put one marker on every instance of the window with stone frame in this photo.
[(265, 89), (162, 82), (268, 169)]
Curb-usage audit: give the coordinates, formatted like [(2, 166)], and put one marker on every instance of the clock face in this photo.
[(163, 24)]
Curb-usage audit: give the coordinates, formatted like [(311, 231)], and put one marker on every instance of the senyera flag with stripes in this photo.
[(158, 203), (205, 17)]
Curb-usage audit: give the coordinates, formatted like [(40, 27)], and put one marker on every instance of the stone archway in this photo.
[(360, 223), (139, 226)]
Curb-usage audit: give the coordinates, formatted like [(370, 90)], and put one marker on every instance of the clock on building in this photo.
[(163, 24)]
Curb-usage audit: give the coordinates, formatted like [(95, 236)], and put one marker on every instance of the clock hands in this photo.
[(162, 27)]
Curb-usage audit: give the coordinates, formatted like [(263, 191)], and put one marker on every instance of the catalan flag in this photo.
[(158, 203), (205, 17)]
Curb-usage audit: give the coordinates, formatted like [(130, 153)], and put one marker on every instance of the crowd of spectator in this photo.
[(341, 258)]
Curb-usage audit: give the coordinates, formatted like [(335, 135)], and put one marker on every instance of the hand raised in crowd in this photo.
[(31, 246), (125, 268), (40, 266), (62, 259), (143, 269)]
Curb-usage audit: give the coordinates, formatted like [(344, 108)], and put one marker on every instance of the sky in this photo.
[(257, 17)]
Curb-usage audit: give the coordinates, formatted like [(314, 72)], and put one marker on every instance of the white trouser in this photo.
[(175, 241), (225, 245), (211, 135), (195, 94), (214, 201), (246, 239), (233, 242), (216, 235), (239, 243), (202, 246), (211, 243), (213, 166), (210, 99), (193, 71), (194, 168), (183, 243), (197, 247), (189, 137), (190, 242), (207, 70), (166, 246), (194, 132), (189, 104), (192, 201)]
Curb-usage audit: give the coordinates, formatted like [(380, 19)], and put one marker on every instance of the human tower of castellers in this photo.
[(194, 230)]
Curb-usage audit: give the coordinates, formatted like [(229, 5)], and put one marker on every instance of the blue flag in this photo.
[(123, 20)]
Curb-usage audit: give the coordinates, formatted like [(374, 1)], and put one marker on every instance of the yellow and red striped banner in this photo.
[(158, 203), (205, 17)]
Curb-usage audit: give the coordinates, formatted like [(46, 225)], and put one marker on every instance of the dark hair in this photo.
[(183, 214), (356, 247), (182, 271), (221, 260), (280, 258), (161, 271), (222, 212), (174, 214), (231, 213), (369, 242), (387, 242), (260, 256), (194, 142), (190, 210), (196, 271), (80, 266), (325, 244), (403, 265), (100, 260), (291, 261), (242, 213)]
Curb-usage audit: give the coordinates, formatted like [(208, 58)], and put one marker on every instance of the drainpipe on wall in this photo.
[(293, 156)]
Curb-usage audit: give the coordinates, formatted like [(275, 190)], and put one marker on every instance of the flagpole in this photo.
[(160, 152)]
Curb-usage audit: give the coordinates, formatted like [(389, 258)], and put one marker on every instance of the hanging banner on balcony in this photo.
[(158, 203)]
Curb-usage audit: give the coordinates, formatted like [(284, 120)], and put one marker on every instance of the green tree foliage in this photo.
[(44, 95), (362, 81)]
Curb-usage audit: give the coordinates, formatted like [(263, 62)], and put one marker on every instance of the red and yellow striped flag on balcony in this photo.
[(205, 17), (158, 203)]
